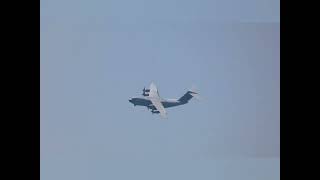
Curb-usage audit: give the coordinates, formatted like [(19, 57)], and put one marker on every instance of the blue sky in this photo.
[(97, 54)]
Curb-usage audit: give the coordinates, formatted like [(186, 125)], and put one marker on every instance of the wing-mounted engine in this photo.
[(145, 92), (151, 107), (155, 112)]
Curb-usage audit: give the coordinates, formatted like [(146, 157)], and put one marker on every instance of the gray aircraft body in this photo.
[(152, 100)]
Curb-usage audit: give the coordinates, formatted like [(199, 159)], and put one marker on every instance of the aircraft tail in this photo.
[(187, 96)]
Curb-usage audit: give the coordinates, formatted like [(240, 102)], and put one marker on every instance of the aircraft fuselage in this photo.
[(145, 101)]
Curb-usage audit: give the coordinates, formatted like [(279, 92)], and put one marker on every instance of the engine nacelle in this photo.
[(155, 112), (151, 106), (145, 92)]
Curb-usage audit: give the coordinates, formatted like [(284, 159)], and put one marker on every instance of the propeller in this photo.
[(144, 91)]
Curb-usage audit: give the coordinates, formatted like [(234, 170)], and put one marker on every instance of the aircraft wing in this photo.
[(158, 105), (153, 90), (156, 100)]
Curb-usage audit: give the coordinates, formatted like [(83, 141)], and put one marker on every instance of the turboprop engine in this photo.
[(145, 92), (155, 112)]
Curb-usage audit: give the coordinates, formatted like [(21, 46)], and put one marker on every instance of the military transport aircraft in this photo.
[(152, 100)]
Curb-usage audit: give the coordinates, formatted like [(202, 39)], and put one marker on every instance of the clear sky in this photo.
[(97, 54)]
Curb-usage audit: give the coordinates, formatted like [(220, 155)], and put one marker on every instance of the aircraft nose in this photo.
[(130, 100)]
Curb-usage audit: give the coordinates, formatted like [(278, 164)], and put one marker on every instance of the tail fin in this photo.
[(187, 96)]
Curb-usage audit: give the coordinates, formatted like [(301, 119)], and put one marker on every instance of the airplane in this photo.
[(152, 100)]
